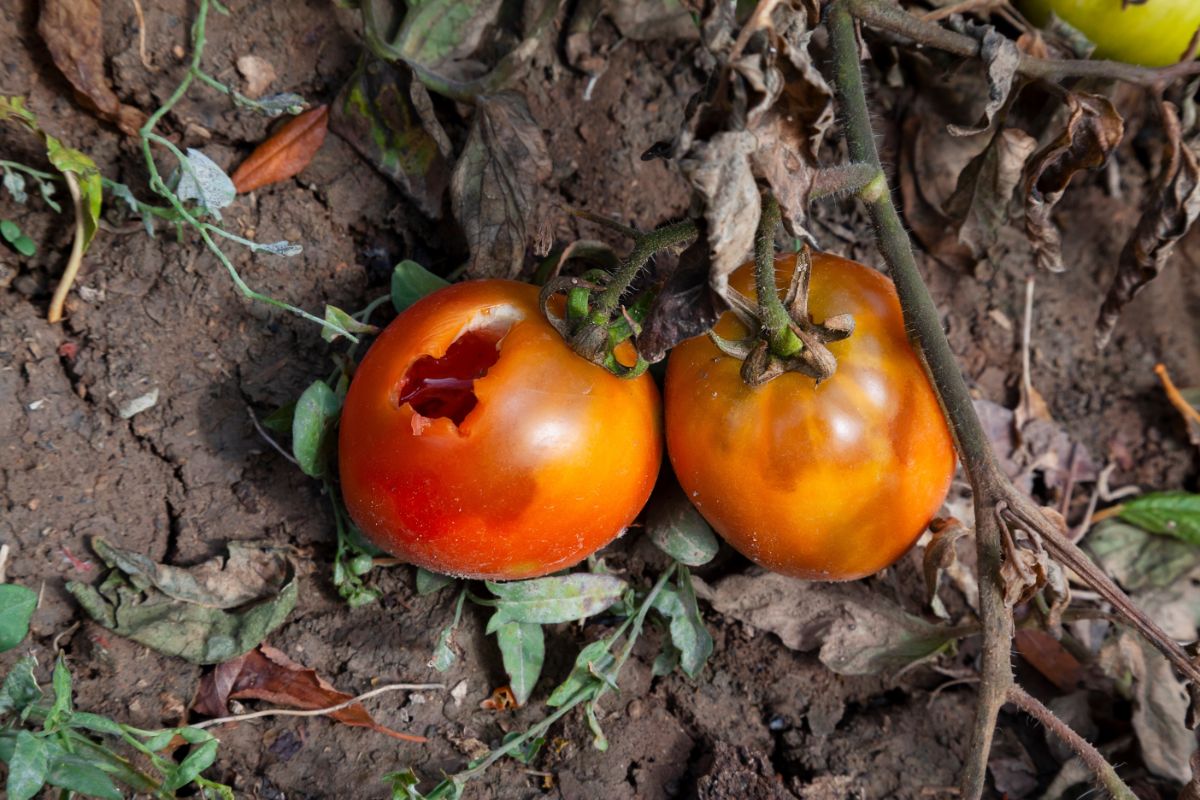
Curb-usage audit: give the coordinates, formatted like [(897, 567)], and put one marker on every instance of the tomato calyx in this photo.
[(785, 338)]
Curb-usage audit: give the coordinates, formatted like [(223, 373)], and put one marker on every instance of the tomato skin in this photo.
[(1154, 33), (554, 461), (829, 482)]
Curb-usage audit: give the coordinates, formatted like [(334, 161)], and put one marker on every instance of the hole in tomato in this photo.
[(445, 387)]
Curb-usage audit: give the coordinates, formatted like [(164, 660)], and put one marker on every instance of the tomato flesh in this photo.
[(828, 482), (474, 442), (445, 387)]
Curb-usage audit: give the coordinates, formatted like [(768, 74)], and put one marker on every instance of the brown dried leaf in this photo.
[(919, 141), (495, 182), (268, 674), (685, 306), (284, 153), (1093, 131), (720, 174), (1174, 207), (1048, 656), (985, 189), (940, 553), (652, 19), (73, 32), (1001, 57)]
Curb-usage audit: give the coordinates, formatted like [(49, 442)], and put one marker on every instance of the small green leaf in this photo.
[(528, 751), (522, 650), (555, 599), (9, 230), (60, 710), (599, 740), (25, 246), (95, 722), (411, 282), (28, 767), (403, 784), (430, 582), (77, 774), (676, 528), (440, 30), (1168, 513), (91, 189), (592, 659), (316, 412), (341, 319), (280, 420), (20, 689), (666, 661), (17, 605), (200, 759)]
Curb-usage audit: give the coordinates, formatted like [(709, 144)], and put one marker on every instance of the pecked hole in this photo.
[(445, 386)]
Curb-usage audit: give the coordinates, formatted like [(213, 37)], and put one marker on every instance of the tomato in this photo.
[(828, 482), (1154, 33), (475, 443)]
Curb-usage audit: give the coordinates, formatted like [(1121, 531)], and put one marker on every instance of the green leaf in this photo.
[(528, 751), (280, 420), (522, 650), (411, 282), (435, 31), (200, 759), (77, 774), (9, 230), (599, 740), (337, 317), (60, 710), (180, 612), (27, 768), (430, 582), (1137, 559), (403, 784), (592, 659), (316, 412), (688, 633), (1168, 513), (666, 661), (17, 605), (95, 722), (20, 689), (91, 189), (25, 246), (546, 601), (676, 528), (388, 117)]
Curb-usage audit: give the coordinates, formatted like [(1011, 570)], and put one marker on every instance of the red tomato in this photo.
[(475, 443), (829, 482)]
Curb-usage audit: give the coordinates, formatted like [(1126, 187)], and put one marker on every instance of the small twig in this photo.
[(1083, 748), (141, 20), (271, 441), (316, 712), (3, 563), (1026, 339), (72, 269), (1176, 398)]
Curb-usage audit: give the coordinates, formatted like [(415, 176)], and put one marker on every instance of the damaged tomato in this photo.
[(828, 482), (475, 443)]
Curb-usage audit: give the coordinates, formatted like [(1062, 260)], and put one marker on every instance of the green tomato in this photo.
[(1154, 33)]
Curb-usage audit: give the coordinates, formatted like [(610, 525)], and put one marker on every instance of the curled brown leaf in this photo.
[(1174, 207), (985, 189), (493, 189), (285, 153), (1001, 57), (1093, 131), (73, 32), (685, 306)]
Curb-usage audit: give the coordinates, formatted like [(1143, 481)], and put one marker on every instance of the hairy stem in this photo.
[(924, 328), (1103, 771), (771, 313), (887, 16), (647, 245)]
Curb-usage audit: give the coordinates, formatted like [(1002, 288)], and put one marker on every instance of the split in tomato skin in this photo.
[(828, 482), (475, 443)]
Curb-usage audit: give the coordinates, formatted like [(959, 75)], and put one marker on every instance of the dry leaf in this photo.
[(1013, 771), (494, 185), (285, 153), (719, 171), (1174, 206), (1001, 58), (1048, 656), (646, 20), (73, 31), (267, 674), (940, 553), (685, 306), (1093, 131), (924, 146), (985, 189)]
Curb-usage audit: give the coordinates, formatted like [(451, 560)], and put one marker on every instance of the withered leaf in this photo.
[(719, 171), (940, 553), (652, 19), (266, 673), (387, 117), (494, 186), (1093, 131), (858, 631), (920, 150), (1048, 656), (130, 602), (435, 32), (685, 306), (285, 153), (985, 189), (1001, 57), (73, 32), (1174, 207)]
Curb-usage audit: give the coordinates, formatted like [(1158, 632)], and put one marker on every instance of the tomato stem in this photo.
[(776, 321)]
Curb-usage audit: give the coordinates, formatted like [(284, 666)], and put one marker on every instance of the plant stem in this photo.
[(774, 317), (646, 246), (925, 330), (1082, 747), (887, 16)]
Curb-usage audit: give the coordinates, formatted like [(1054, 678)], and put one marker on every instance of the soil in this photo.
[(180, 479)]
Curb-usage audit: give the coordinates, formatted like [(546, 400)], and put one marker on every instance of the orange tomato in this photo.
[(828, 482), (475, 443)]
